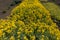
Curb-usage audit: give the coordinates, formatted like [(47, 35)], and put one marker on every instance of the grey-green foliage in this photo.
[(54, 9)]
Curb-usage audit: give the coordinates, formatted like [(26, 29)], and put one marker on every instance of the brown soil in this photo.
[(4, 4), (5, 7)]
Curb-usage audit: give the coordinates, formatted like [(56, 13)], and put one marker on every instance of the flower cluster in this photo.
[(29, 21)]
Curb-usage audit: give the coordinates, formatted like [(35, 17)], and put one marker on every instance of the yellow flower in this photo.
[(20, 29), (43, 30), (18, 36), (9, 31), (1, 27), (52, 32), (25, 38), (18, 39), (12, 38), (42, 37), (1, 33), (32, 37), (38, 30), (58, 38), (20, 22), (47, 38), (18, 33)]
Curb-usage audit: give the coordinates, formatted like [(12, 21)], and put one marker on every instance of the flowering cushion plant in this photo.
[(29, 21)]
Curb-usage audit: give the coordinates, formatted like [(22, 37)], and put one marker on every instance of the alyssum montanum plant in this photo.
[(29, 21)]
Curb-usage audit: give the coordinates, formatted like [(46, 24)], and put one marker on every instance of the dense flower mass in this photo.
[(29, 21)]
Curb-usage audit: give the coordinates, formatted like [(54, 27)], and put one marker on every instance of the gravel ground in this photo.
[(6, 6)]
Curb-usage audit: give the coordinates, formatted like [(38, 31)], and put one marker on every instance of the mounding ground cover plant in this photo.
[(29, 21), (54, 9)]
